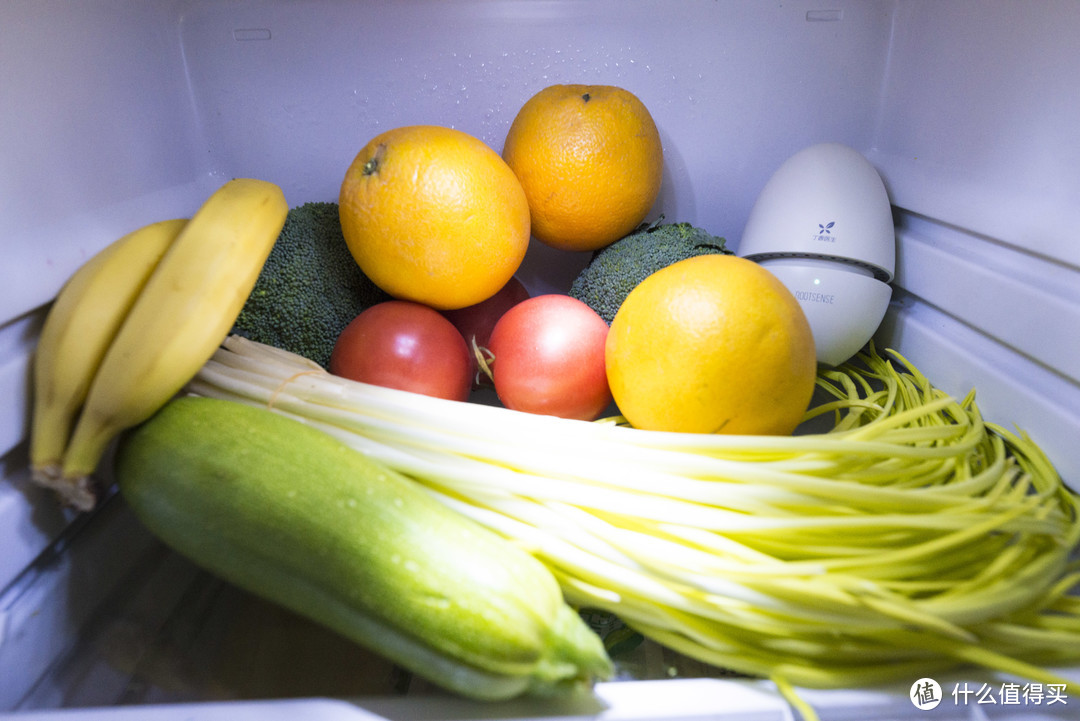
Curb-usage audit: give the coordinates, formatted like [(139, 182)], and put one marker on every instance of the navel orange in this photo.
[(590, 160), (434, 215), (712, 344)]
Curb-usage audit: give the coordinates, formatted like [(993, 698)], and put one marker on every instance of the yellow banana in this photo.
[(78, 329), (182, 315)]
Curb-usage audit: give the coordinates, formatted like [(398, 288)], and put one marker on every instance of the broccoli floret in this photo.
[(310, 287), (617, 269)]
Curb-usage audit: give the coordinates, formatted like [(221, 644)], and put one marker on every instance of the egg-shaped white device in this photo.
[(823, 225)]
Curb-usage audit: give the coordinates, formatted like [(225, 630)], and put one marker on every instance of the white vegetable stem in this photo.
[(912, 536)]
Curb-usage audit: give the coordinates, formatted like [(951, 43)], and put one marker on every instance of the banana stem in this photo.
[(87, 447), (80, 493)]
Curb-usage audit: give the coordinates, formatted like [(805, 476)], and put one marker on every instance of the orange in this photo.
[(590, 160), (433, 215), (712, 344)]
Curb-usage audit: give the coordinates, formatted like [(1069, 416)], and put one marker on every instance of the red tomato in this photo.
[(549, 358), (405, 345), (479, 320)]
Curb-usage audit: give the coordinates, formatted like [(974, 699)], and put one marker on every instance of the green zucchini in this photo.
[(293, 515)]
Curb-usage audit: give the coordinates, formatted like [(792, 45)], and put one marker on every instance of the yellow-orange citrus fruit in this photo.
[(434, 215), (712, 344), (590, 160)]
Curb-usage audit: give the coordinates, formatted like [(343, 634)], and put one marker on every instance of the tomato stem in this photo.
[(485, 359)]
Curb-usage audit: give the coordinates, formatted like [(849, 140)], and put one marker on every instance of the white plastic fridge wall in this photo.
[(117, 113)]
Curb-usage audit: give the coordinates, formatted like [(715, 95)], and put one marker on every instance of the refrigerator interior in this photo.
[(118, 113)]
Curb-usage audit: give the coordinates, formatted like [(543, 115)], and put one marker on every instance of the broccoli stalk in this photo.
[(310, 287), (617, 269)]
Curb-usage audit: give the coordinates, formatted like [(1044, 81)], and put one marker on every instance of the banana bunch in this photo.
[(136, 322)]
